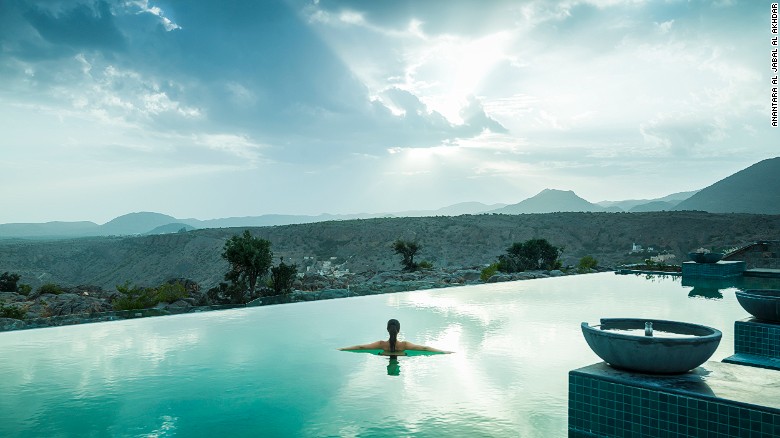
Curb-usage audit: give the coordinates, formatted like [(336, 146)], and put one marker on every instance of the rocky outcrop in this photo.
[(83, 304)]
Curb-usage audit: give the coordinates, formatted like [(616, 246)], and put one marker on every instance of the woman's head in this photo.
[(393, 327)]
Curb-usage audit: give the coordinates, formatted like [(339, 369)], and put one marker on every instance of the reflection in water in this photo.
[(710, 288), (274, 371), (713, 288), (659, 278), (707, 294), (393, 367)]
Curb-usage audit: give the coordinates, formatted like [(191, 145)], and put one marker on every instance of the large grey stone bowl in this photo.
[(763, 304), (705, 257), (652, 354)]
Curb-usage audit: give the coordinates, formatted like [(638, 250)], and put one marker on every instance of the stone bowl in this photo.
[(705, 257), (763, 304), (692, 345)]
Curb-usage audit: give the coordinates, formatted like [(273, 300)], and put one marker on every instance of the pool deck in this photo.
[(716, 381), (754, 360), (754, 272), (762, 272), (716, 399)]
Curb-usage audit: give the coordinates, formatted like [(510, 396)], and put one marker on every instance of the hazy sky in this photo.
[(212, 109)]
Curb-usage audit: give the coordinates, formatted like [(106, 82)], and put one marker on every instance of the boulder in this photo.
[(69, 304), (179, 306), (499, 277), (468, 275), (11, 324), (328, 294), (11, 297)]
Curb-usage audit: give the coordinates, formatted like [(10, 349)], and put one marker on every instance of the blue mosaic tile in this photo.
[(598, 408), (761, 339)]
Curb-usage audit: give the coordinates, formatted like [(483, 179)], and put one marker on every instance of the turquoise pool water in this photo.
[(275, 371)]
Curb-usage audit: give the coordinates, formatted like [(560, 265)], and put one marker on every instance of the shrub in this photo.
[(134, 298), (488, 272), (425, 264), (12, 312), (169, 292), (530, 255), (24, 289), (50, 288), (586, 264), (8, 282)]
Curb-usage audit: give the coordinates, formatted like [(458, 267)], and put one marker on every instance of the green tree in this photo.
[(249, 258), (408, 250), (8, 282), (530, 255), (282, 277), (586, 264)]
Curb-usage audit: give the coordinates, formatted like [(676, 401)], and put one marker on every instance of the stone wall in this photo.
[(765, 254)]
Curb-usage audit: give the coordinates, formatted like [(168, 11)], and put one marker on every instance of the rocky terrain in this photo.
[(85, 304), (364, 246), (345, 258)]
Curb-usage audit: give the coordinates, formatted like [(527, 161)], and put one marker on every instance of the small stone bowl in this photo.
[(705, 257), (690, 347), (763, 304)]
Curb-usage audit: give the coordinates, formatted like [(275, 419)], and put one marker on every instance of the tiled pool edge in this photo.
[(708, 402), (721, 269), (756, 343)]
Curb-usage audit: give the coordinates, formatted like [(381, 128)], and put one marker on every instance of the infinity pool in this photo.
[(275, 371)]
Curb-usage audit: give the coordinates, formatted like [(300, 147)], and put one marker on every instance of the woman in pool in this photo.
[(394, 347)]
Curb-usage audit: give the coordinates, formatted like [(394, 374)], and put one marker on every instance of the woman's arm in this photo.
[(372, 346), (412, 346)]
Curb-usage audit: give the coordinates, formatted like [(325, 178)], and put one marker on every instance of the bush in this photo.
[(12, 312), (24, 289), (586, 264), (425, 264), (135, 298), (488, 272), (170, 292), (530, 255), (50, 288), (8, 282)]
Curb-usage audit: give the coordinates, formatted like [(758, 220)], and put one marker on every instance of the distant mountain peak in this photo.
[(136, 223), (550, 201)]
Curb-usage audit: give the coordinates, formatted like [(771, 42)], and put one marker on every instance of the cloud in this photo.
[(145, 7), (665, 27), (683, 134), (318, 94), (83, 26)]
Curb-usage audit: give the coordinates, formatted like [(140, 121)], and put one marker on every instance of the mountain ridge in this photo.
[(741, 192), (365, 246), (751, 190)]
